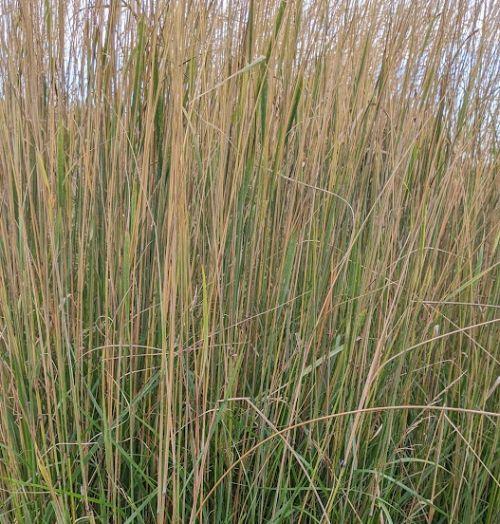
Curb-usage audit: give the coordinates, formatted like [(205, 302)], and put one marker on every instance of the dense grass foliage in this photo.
[(249, 261)]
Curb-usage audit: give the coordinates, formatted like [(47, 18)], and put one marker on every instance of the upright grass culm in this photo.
[(249, 261)]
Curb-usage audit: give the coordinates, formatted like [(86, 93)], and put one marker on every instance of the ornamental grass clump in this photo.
[(249, 261)]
